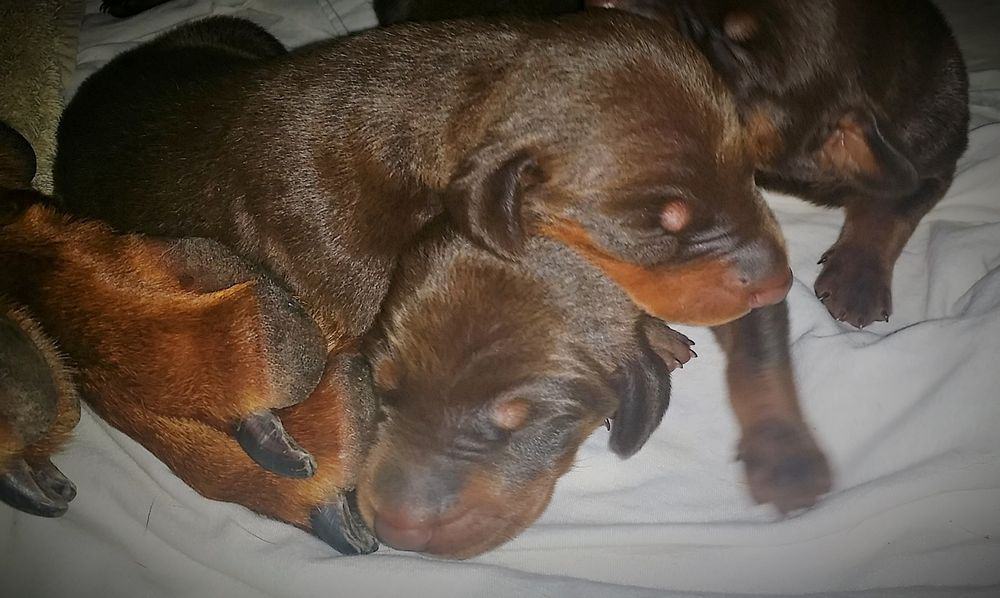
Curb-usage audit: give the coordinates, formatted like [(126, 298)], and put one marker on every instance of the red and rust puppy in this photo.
[(499, 125), (492, 372), (856, 104), (173, 342)]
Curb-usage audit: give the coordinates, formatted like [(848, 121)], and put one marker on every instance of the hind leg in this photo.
[(294, 349), (855, 283), (784, 465)]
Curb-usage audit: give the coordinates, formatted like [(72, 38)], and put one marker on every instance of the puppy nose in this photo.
[(771, 290), (763, 269), (403, 530)]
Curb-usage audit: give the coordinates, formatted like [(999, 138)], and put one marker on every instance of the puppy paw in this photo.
[(39, 489), (854, 286), (673, 347), (339, 524), (266, 441), (784, 466)]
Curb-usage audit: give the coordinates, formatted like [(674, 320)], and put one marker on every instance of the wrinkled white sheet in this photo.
[(908, 411)]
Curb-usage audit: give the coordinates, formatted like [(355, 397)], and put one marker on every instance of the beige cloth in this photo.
[(38, 40)]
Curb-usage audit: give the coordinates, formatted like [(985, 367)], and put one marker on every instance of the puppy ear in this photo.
[(857, 151), (484, 198), (643, 388)]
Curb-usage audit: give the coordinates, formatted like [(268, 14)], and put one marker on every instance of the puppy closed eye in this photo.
[(675, 215), (511, 415)]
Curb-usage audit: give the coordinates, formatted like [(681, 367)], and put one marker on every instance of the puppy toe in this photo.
[(338, 524), (19, 489), (673, 347), (52, 481), (266, 441), (855, 287)]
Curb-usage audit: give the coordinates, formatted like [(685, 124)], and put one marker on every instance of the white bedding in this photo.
[(908, 411)]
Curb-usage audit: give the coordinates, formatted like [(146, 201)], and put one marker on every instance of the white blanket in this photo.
[(908, 412)]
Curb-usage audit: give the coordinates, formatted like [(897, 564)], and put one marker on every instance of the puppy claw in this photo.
[(338, 524), (20, 489), (854, 285), (265, 440), (53, 482), (673, 347)]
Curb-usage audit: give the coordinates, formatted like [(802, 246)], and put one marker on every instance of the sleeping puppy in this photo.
[(854, 104), (185, 329), (324, 164), (491, 373)]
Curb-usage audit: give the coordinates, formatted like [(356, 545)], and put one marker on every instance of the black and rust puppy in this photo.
[(855, 103), (323, 164)]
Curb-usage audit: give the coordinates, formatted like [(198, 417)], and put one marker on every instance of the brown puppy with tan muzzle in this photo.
[(324, 164), (491, 373), (857, 104)]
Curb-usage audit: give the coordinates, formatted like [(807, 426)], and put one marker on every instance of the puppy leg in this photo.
[(784, 465), (38, 410), (856, 281), (294, 349)]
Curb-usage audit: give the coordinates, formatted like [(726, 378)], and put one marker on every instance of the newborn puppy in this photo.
[(362, 151), (492, 372), (855, 104)]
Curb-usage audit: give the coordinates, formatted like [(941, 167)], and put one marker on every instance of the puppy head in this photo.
[(633, 154), (486, 399)]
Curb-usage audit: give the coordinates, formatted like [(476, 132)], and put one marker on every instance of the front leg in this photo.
[(856, 281), (784, 465)]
